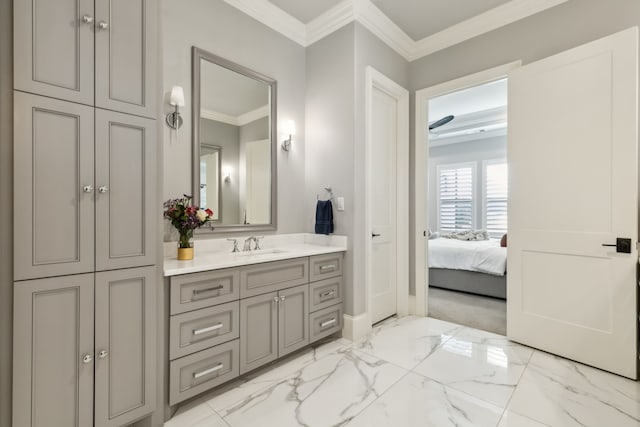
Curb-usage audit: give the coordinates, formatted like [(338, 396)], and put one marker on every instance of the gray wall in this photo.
[(335, 135), (330, 136), (223, 30), (555, 30), (227, 137), (255, 131), (6, 201), (463, 152)]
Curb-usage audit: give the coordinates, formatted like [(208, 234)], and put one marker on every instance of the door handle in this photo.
[(622, 245), (375, 235)]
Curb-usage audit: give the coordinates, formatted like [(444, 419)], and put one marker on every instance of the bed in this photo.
[(478, 267)]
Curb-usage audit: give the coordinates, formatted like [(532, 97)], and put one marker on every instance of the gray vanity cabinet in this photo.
[(73, 49), (69, 345), (273, 325), (53, 348), (53, 187), (258, 331), (125, 345), (81, 206), (53, 48), (125, 43), (125, 181), (293, 319)]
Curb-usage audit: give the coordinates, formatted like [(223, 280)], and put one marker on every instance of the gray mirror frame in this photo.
[(197, 55)]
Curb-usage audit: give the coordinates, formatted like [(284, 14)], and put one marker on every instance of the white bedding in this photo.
[(484, 256)]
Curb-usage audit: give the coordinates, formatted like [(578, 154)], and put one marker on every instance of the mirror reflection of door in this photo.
[(258, 182), (210, 175)]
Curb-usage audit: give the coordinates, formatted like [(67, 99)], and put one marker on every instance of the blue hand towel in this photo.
[(324, 217)]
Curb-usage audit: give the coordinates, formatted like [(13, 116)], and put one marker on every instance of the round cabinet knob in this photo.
[(87, 188), (103, 25), (282, 298), (103, 354), (276, 299), (103, 189), (87, 19), (87, 358)]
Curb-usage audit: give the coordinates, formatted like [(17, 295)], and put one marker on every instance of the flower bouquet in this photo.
[(185, 218)]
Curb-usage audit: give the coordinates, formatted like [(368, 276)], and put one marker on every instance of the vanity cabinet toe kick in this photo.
[(224, 323)]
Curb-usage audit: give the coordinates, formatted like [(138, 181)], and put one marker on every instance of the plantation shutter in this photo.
[(496, 191), (455, 198)]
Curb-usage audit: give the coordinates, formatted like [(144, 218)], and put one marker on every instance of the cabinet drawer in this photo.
[(273, 276), (204, 328), (325, 293), (325, 266), (198, 290), (193, 374), (325, 322)]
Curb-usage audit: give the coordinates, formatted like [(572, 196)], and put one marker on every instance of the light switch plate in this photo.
[(340, 203)]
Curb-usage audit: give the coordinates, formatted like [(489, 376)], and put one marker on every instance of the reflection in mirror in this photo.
[(234, 143), (210, 172)]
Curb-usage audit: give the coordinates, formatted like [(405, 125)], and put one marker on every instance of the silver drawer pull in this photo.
[(326, 294), (202, 291), (207, 329), (200, 374), (328, 267), (328, 322)]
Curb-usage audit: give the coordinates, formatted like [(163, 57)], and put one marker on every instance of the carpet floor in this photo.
[(480, 312)]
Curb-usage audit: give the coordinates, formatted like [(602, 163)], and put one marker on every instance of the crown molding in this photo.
[(379, 24), (252, 116), (241, 120), (372, 18), (490, 20), (332, 20), (273, 17)]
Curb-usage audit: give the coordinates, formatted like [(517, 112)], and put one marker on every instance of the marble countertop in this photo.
[(214, 254)]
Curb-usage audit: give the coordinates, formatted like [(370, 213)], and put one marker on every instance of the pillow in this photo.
[(503, 241)]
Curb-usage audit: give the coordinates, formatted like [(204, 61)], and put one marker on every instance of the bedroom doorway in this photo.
[(462, 172)]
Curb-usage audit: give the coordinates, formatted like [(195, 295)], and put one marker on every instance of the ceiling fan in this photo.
[(443, 121)]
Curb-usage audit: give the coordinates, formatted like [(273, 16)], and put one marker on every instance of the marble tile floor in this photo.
[(420, 372)]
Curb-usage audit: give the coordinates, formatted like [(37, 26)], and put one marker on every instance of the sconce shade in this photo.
[(177, 96)]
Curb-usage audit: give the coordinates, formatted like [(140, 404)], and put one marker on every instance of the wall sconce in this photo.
[(174, 120), (289, 128), (227, 175)]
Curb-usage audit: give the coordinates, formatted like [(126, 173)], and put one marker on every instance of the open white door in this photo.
[(573, 165)]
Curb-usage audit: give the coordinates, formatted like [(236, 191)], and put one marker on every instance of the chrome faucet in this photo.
[(235, 245), (247, 243)]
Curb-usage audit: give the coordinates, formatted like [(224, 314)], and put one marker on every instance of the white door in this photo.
[(258, 201), (572, 153), (384, 113)]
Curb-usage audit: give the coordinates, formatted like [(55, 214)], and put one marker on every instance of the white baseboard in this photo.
[(356, 327)]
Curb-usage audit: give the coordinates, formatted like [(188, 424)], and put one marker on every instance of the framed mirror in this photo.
[(234, 144)]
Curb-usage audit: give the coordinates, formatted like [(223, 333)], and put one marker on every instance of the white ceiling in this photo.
[(478, 98), (305, 10), (423, 18)]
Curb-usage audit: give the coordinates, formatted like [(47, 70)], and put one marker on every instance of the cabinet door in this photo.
[(126, 56), (293, 319), (53, 187), (52, 331), (53, 48), (125, 191), (125, 345), (258, 331)]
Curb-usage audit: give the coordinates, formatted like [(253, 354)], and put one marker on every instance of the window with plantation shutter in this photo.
[(496, 187), (455, 197)]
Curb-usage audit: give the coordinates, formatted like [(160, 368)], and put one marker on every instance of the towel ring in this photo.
[(329, 190)]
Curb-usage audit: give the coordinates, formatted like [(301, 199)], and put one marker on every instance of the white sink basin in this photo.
[(261, 252)]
